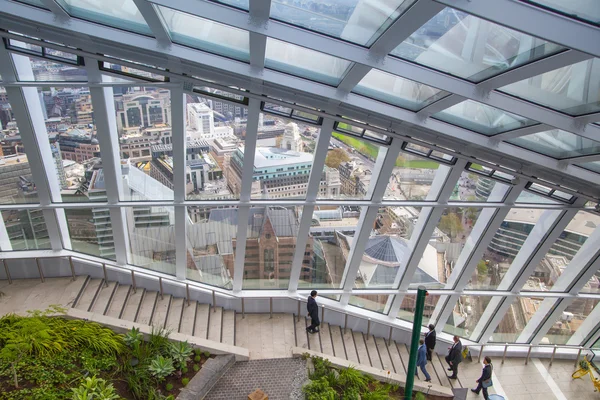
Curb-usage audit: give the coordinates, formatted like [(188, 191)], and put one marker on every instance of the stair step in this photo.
[(188, 318), (201, 327), (403, 351), (88, 295), (175, 314), (147, 308), (349, 345), (313, 339), (440, 370), (214, 324), (326, 339), (228, 327), (361, 348), (337, 342), (301, 338), (159, 317), (384, 356), (103, 298), (396, 360), (132, 305), (117, 302), (373, 353)]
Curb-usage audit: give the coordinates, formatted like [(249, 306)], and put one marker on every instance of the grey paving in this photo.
[(279, 378)]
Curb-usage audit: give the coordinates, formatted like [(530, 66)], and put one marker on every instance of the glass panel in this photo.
[(61, 54), (592, 166), (586, 10), (407, 308), (482, 118), (152, 238), (131, 71), (375, 302), (570, 320), (412, 178), (471, 48), (45, 70), (118, 13), (395, 90), (91, 232), (574, 90), (562, 251), (283, 159), (26, 46), (516, 319), (388, 250), (26, 229), (474, 187), (558, 144), (349, 168), (331, 233), (531, 198), (305, 63), (360, 22), (466, 314), (270, 246), (204, 34), (593, 285), (243, 4), (503, 248), (211, 232), (37, 3)]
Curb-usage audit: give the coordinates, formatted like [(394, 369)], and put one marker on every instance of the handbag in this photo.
[(487, 383)]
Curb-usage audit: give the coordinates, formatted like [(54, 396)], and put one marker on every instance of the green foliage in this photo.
[(335, 157), (169, 387), (482, 268), (351, 378), (161, 367), (197, 358), (206, 354), (322, 367), (93, 388), (419, 396), (451, 224), (180, 352), (96, 364), (133, 338), (351, 394), (319, 390), (185, 381), (196, 368), (184, 370), (158, 342)]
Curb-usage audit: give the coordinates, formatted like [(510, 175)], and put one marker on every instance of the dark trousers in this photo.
[(313, 324), (454, 366), (479, 388), (429, 353)]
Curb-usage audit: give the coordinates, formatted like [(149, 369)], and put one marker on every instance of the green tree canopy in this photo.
[(451, 225), (335, 157)]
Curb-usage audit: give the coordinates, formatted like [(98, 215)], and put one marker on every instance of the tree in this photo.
[(335, 157), (451, 225), (482, 269)]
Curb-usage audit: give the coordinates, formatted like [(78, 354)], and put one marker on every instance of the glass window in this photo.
[(26, 229), (592, 166), (586, 10), (130, 71), (46, 70), (332, 230), (593, 285), (516, 319), (91, 232), (242, 4), (531, 198), (465, 316), (395, 90), (570, 320), (360, 22), (409, 302), (469, 47), (558, 144), (121, 14), (37, 3), (305, 63), (574, 90), (482, 118), (374, 302), (193, 31), (211, 232), (412, 178), (270, 247), (152, 238), (562, 252), (504, 247), (474, 187)]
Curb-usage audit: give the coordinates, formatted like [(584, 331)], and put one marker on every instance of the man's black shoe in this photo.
[(449, 369), (452, 377), (427, 380)]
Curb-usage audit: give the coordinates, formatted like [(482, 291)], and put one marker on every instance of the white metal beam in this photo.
[(154, 21), (259, 15), (440, 105), (179, 144), (528, 130), (582, 159), (588, 118), (56, 9)]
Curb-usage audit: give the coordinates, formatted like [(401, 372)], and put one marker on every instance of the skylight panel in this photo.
[(585, 10), (558, 144)]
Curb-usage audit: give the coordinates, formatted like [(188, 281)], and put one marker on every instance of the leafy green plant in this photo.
[(196, 368), (206, 354), (353, 379), (351, 394), (419, 396), (185, 381), (133, 338), (319, 390), (184, 370), (93, 388), (322, 368), (161, 367), (169, 387), (197, 358), (180, 352)]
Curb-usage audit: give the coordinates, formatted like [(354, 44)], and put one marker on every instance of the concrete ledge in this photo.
[(206, 378), (122, 326), (378, 374)]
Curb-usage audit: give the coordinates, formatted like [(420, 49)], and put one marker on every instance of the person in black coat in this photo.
[(430, 341), (486, 375), (454, 357), (313, 311)]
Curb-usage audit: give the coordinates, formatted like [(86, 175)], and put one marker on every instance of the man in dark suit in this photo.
[(430, 341), (454, 357), (313, 311), (485, 380)]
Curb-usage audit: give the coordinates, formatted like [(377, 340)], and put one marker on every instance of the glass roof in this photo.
[(37, 3), (482, 118), (396, 90), (592, 166), (574, 90), (243, 4), (558, 144), (587, 10), (116, 13), (204, 34), (447, 43), (356, 21), (303, 62)]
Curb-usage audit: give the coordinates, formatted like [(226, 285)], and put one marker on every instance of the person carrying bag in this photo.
[(485, 380)]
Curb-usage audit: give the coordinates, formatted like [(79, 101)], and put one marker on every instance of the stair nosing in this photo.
[(110, 299), (208, 321), (195, 316), (127, 296), (181, 316), (139, 306), (153, 309), (343, 342), (81, 290), (95, 298), (168, 310)]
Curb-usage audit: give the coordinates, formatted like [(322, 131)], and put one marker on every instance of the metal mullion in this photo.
[(588, 118), (259, 11), (528, 130), (154, 21), (240, 248), (583, 159), (440, 105), (56, 9), (5, 244), (250, 149), (181, 221), (588, 332), (491, 318), (312, 192)]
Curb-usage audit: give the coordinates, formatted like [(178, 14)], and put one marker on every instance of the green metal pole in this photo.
[(414, 343)]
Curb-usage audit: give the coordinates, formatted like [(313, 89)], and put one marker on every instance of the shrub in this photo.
[(351, 394), (161, 367), (353, 379), (322, 367), (169, 387), (158, 342), (206, 354), (180, 352), (319, 390), (185, 381), (95, 388), (196, 368), (197, 358), (133, 338), (419, 396), (184, 370)]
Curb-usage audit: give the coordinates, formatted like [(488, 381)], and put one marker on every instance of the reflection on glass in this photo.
[(152, 238), (45, 70), (516, 319), (305, 63), (586, 10), (360, 22), (504, 247), (204, 34), (37, 3), (558, 144), (469, 47), (411, 177), (211, 233), (466, 314), (374, 302), (270, 246), (531, 198), (117, 13), (592, 166), (26, 229), (565, 89), (409, 302), (570, 320), (91, 232), (593, 285), (395, 90), (474, 187), (482, 118), (243, 4)]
